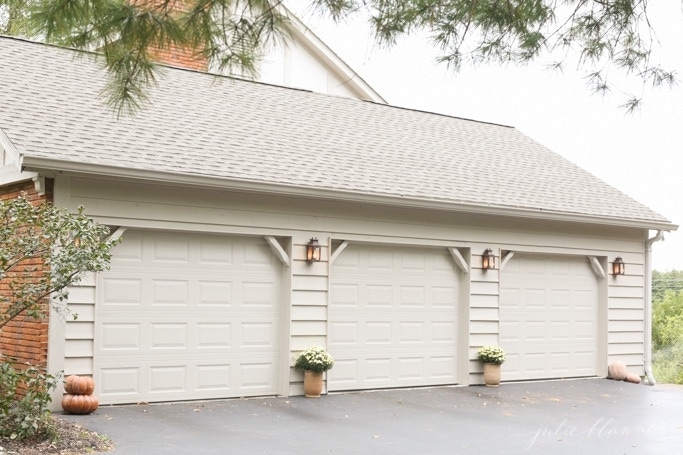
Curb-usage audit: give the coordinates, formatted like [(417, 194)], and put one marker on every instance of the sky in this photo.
[(641, 154)]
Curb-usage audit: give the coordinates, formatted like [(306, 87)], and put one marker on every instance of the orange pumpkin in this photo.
[(79, 385), (79, 404)]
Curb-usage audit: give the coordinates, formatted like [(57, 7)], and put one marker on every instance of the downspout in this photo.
[(648, 307)]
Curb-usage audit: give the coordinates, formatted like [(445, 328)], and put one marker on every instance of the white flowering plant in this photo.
[(314, 358), (491, 354)]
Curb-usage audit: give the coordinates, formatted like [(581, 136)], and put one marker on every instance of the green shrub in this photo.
[(24, 400), (667, 320), (667, 364)]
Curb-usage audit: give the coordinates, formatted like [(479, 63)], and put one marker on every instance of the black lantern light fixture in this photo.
[(618, 266), (313, 250), (488, 260)]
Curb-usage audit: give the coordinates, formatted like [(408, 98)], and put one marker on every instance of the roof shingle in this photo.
[(226, 128)]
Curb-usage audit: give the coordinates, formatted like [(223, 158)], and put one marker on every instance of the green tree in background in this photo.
[(667, 320), (666, 281), (605, 35), (667, 326)]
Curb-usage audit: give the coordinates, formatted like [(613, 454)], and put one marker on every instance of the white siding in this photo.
[(484, 313), (309, 304), (625, 329), (80, 328)]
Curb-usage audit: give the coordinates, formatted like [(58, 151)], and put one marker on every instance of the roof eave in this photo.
[(47, 165)]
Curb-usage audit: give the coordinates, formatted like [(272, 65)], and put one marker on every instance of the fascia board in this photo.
[(10, 171), (345, 73), (9, 148), (46, 165)]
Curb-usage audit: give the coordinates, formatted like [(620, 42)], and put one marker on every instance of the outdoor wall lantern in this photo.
[(313, 250), (488, 260), (618, 266)]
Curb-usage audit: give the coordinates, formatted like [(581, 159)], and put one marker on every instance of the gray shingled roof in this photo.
[(240, 131)]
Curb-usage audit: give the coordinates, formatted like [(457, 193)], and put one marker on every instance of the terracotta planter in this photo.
[(313, 383), (491, 374)]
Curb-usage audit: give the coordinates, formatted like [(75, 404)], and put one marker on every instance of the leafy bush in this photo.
[(314, 359), (667, 364), (24, 401), (67, 245), (667, 336)]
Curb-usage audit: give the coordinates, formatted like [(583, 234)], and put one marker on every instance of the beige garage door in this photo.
[(187, 316), (549, 317), (393, 318)]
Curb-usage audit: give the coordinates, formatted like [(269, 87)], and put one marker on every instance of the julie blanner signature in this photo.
[(601, 428)]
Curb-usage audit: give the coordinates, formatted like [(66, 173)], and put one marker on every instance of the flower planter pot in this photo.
[(313, 383), (491, 374)]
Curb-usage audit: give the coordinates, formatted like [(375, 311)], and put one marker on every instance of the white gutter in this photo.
[(648, 307)]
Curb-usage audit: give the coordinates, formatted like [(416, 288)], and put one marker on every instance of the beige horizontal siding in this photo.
[(80, 329), (625, 313), (199, 210), (484, 315), (77, 330), (79, 348)]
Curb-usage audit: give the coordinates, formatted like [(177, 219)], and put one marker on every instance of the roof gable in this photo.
[(285, 140)]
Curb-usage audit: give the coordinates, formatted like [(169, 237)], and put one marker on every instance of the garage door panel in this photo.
[(129, 252), (215, 252), (444, 298), (214, 293), (187, 316), (120, 382), (115, 336), (378, 296), (393, 318), (197, 377), (410, 368), (122, 291), (213, 378), (166, 292), (168, 336), (549, 317), (257, 335), (444, 332), (170, 251), (412, 296), (342, 333), (378, 261), (378, 332), (410, 332), (214, 335), (168, 378)]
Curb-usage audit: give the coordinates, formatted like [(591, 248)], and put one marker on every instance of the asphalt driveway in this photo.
[(573, 416)]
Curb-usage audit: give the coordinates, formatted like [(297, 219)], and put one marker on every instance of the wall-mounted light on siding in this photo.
[(618, 266), (488, 260), (313, 251)]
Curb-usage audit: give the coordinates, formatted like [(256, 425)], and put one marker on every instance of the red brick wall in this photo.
[(174, 55), (25, 338), (181, 58)]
